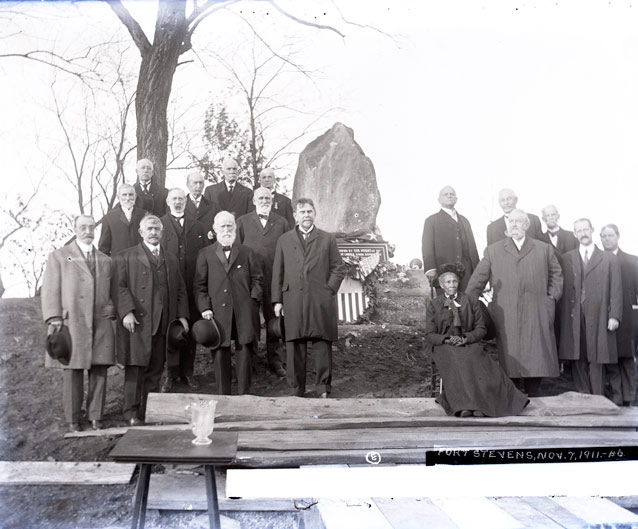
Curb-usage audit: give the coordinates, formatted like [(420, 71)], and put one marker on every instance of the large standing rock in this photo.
[(336, 174)]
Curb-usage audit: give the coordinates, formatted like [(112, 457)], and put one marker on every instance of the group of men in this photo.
[(555, 296), (168, 261)]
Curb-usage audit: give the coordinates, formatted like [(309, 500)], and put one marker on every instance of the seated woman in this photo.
[(473, 383)]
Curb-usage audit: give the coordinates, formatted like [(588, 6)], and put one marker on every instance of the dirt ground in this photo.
[(385, 358)]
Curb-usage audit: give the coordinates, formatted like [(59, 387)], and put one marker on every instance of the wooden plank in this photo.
[(413, 513), (293, 459), (121, 430), (525, 513), (352, 514), (64, 473), (171, 407), (597, 511), (476, 513), (187, 492), (555, 512)]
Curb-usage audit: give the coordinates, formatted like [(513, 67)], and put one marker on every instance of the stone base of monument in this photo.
[(352, 300)]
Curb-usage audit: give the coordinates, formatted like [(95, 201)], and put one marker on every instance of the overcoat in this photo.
[(205, 213), (496, 230), (135, 293), (229, 287), (307, 282), (282, 205), (526, 286), (239, 203), (118, 233), (154, 201), (565, 241), (603, 300), (441, 244), (625, 333), (70, 292)]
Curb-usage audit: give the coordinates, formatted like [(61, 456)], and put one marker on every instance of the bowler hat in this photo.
[(58, 345), (276, 327), (206, 333), (176, 335)]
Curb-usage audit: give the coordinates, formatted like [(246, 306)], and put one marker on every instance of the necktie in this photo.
[(230, 189), (179, 220), (156, 252), (586, 258), (305, 236), (456, 317), (90, 262), (264, 217), (227, 249)]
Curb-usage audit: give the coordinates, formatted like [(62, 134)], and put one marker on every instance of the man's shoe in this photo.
[(190, 381), (134, 421), (466, 413), (96, 425), (167, 385), (324, 395), (478, 413), (74, 427)]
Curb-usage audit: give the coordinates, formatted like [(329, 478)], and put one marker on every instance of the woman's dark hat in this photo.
[(276, 327), (58, 345), (206, 333), (455, 268)]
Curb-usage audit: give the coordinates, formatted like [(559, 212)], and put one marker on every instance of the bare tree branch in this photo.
[(132, 25), (305, 22)]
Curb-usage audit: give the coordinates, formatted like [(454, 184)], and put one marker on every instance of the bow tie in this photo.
[(554, 233), (265, 217), (226, 248), (178, 218)]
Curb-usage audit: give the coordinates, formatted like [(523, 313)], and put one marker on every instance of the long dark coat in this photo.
[(496, 230), (154, 201), (603, 300), (205, 213), (282, 205), (307, 282), (262, 239), (118, 233), (441, 244), (135, 293), (70, 291), (229, 288), (526, 287), (565, 241), (625, 334), (239, 203)]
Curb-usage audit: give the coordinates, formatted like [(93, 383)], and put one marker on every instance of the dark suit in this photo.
[(118, 233), (306, 278), (282, 205), (184, 243), (622, 377), (263, 241), (591, 296), (153, 289), (205, 213), (238, 203), (565, 241), (496, 230), (153, 201), (231, 289), (448, 241)]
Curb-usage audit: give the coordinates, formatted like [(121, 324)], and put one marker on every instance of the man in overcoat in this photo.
[(150, 196), (120, 226), (448, 238), (527, 281), (496, 231), (307, 272), (183, 237), (562, 240), (591, 310), (197, 205), (260, 230), (281, 204), (229, 194), (150, 295), (228, 287), (76, 293), (622, 376)]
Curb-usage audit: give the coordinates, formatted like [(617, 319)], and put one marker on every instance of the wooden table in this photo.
[(146, 448)]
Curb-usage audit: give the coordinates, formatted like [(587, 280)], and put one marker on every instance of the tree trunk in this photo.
[(157, 69)]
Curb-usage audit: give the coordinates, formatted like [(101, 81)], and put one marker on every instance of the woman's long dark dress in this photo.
[(472, 380)]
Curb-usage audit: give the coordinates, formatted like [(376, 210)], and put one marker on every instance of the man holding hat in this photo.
[(78, 308), (227, 286), (151, 294), (260, 230)]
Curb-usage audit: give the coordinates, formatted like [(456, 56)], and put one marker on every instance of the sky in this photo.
[(540, 97)]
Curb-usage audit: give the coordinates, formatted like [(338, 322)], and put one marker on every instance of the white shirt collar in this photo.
[(306, 232), (519, 244), (150, 246), (84, 247), (195, 199), (451, 212), (615, 252), (590, 250)]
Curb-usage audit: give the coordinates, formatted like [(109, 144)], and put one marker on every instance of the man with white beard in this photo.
[(228, 287)]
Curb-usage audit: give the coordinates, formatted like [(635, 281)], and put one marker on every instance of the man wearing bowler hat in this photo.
[(307, 273), (228, 288), (76, 294), (151, 294), (260, 230)]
